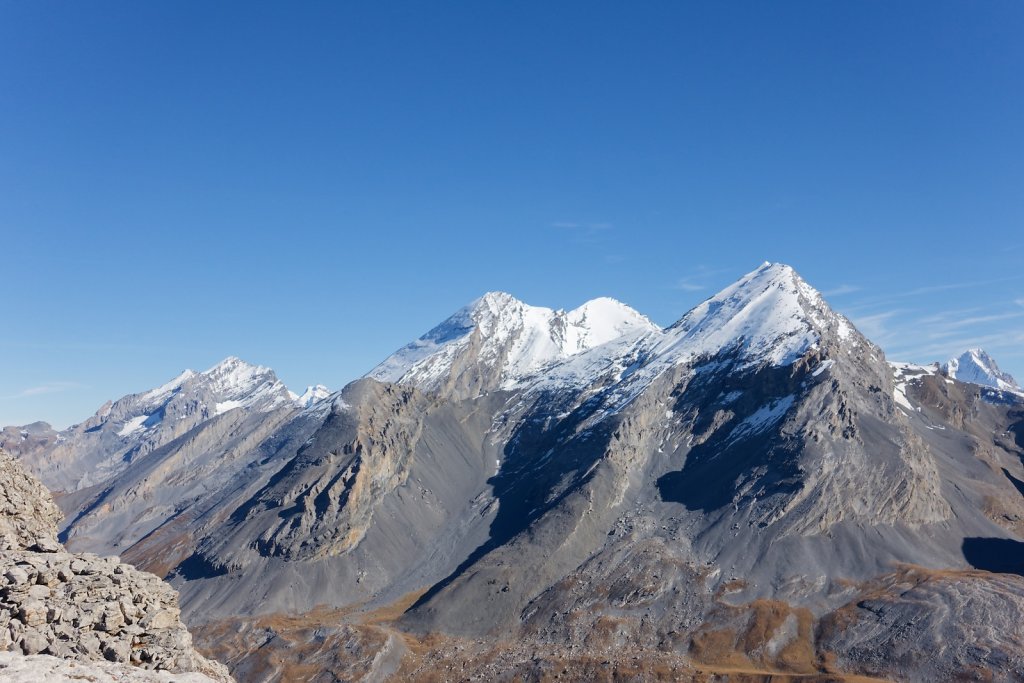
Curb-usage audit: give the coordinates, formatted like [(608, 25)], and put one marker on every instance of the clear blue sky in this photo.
[(311, 185)]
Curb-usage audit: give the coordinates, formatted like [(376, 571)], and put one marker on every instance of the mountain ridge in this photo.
[(522, 475)]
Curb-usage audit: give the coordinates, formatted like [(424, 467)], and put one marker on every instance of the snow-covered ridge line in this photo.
[(770, 316), (515, 338), (228, 385)]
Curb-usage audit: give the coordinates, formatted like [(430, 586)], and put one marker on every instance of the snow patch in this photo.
[(168, 387), (134, 425), (899, 394), (225, 406), (825, 365), (763, 418)]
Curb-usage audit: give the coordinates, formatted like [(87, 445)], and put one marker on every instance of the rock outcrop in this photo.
[(81, 606), (28, 516)]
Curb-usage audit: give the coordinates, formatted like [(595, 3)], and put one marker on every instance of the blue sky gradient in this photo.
[(311, 186)]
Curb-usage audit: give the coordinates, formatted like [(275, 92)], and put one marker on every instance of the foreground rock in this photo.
[(28, 516), (80, 606), (20, 669)]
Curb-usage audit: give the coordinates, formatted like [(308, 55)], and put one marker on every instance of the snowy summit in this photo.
[(977, 367)]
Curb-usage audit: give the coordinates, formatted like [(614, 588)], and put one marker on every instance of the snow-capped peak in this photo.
[(771, 314), (601, 320), (231, 383), (511, 337), (975, 366), (234, 373), (238, 384), (312, 395)]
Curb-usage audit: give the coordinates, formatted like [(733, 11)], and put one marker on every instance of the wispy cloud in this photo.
[(1000, 344), (913, 334), (840, 290), (45, 388), (876, 326), (899, 299), (980, 319), (932, 289), (698, 279)]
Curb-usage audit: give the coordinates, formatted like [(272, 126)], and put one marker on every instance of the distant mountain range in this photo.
[(754, 489)]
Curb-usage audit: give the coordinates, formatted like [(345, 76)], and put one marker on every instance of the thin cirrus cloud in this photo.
[(876, 326), (932, 289), (841, 290), (698, 279), (913, 335), (45, 388), (899, 298)]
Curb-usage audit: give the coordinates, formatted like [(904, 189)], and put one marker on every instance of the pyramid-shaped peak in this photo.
[(770, 284), (771, 312), (976, 366), (780, 268), (768, 274)]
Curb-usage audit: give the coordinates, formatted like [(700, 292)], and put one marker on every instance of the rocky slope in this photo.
[(751, 491), (80, 606)]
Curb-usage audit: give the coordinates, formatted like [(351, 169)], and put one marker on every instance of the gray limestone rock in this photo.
[(28, 515), (82, 607)]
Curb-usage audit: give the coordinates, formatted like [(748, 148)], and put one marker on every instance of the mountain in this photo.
[(498, 342), (752, 490), (977, 367), (132, 427), (313, 394), (157, 455), (64, 613)]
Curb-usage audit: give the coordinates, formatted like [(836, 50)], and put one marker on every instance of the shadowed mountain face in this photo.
[(727, 491)]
